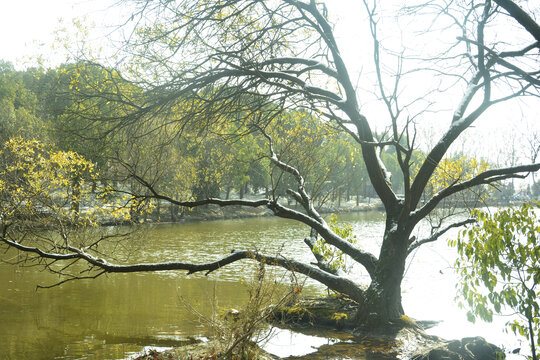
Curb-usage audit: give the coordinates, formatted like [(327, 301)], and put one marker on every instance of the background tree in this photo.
[(18, 106)]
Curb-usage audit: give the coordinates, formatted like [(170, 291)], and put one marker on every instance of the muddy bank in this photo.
[(335, 319), (403, 338)]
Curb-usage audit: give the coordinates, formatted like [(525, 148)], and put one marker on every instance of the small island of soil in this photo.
[(404, 338)]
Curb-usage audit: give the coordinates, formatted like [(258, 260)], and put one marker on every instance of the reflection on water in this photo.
[(118, 314), (107, 317), (287, 343)]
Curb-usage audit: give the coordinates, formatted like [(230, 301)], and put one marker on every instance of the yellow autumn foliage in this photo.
[(452, 170), (39, 184)]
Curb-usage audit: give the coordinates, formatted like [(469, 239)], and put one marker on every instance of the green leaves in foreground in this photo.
[(499, 265), (331, 255)]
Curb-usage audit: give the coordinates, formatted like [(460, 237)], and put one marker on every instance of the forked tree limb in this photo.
[(312, 218)]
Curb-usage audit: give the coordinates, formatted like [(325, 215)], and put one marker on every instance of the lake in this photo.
[(117, 315)]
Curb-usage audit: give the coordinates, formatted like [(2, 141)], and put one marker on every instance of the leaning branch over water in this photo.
[(337, 283)]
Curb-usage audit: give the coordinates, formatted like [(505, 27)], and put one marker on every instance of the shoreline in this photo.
[(213, 212), (399, 339)]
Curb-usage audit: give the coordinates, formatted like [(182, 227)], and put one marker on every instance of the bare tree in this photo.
[(206, 62)]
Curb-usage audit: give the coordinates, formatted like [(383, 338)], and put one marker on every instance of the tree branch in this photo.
[(301, 196), (314, 221), (368, 260), (310, 63), (438, 234), (499, 59), (337, 283), (459, 124), (350, 104), (521, 17), (484, 178), (321, 264)]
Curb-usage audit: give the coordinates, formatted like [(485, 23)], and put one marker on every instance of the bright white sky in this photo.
[(26, 23), (27, 26)]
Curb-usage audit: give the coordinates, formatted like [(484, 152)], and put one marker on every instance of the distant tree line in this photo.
[(200, 160)]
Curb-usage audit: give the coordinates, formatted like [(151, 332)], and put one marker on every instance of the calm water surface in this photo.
[(116, 316)]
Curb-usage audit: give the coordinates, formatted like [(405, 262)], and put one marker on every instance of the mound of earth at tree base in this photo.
[(404, 338)]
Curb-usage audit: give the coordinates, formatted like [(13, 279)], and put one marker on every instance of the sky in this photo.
[(27, 26)]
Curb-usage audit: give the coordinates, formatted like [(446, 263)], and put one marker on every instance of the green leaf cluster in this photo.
[(332, 256), (499, 266)]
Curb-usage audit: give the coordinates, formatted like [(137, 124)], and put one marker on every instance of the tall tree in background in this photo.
[(208, 63)]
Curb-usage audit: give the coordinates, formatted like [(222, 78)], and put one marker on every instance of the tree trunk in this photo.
[(76, 196), (383, 297), (173, 212), (133, 213), (531, 334)]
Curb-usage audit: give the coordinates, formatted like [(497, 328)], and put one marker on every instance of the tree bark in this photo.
[(383, 297), (531, 336)]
